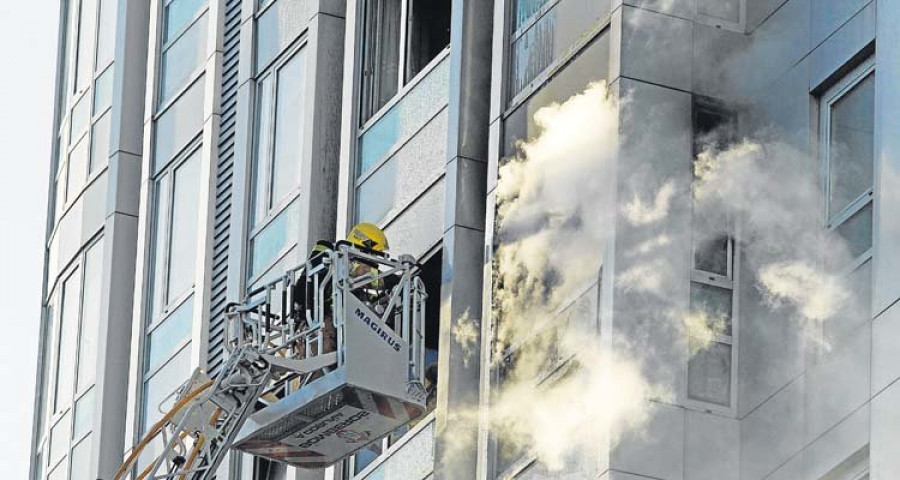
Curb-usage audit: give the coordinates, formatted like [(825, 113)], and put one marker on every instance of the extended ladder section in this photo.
[(323, 361)]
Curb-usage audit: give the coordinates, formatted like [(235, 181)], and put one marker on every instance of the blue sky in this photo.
[(27, 55)]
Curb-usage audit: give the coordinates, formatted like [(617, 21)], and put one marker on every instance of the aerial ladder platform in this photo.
[(322, 362)]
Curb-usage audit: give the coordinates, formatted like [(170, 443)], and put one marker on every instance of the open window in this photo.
[(712, 332), (400, 38)]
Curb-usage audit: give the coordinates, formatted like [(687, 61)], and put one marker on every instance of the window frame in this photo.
[(55, 416), (165, 44), (63, 198), (831, 96), (730, 281), (404, 84), (276, 207), (168, 306)]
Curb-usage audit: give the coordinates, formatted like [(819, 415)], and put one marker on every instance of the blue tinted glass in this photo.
[(183, 58), (178, 14), (103, 91), (100, 142), (171, 333), (405, 118), (525, 9), (84, 415), (81, 115), (273, 239), (162, 384), (180, 123)]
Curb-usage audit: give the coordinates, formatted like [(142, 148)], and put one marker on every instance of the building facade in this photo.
[(201, 147)]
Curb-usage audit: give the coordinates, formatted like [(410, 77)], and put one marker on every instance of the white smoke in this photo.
[(771, 192), (555, 217)]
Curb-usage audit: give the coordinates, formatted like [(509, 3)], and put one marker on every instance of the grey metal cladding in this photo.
[(224, 182)]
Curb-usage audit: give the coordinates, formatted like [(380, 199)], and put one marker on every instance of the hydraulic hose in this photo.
[(157, 427)]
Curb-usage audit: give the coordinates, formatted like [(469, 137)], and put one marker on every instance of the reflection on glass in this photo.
[(161, 385), (377, 195), (65, 365), (85, 50), (709, 374), (84, 415), (100, 142), (273, 239), (78, 165), (171, 333), (81, 116), (90, 316), (405, 175), (590, 65), (59, 439), (81, 460), (288, 127), (851, 147), (856, 231), (524, 10), (366, 456), (180, 123), (262, 159), (533, 52), (59, 473), (178, 14), (160, 234), (183, 58), (106, 33), (183, 241), (552, 37), (714, 303), (103, 91)]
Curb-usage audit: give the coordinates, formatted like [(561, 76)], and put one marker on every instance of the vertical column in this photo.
[(885, 420), (120, 236), (466, 182)]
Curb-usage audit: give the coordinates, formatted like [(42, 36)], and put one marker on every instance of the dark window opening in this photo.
[(384, 69), (265, 469), (714, 125), (431, 277), (429, 33)]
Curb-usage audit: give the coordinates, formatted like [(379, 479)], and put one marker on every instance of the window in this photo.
[(400, 38), (183, 34), (544, 34), (175, 234), (84, 130), (277, 161), (84, 49), (846, 146), (711, 328), (67, 390), (848, 114)]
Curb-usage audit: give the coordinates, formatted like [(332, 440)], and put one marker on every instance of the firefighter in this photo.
[(370, 237)]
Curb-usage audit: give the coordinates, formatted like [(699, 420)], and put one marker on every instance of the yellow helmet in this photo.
[(368, 236)]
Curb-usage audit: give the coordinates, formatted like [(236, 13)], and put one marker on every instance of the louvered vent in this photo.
[(224, 178)]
